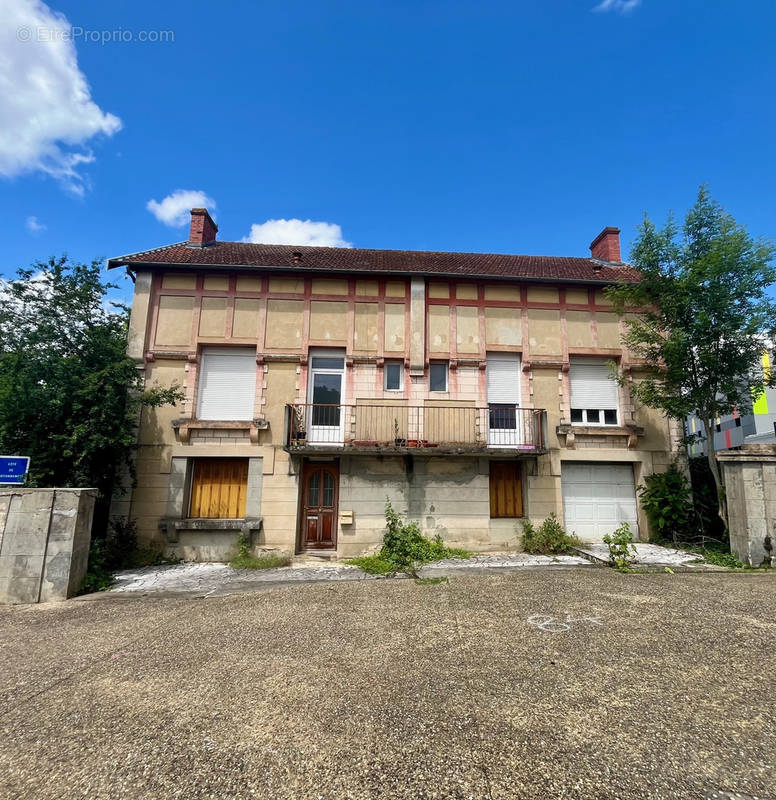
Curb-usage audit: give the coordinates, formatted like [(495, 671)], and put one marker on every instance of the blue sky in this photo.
[(517, 126)]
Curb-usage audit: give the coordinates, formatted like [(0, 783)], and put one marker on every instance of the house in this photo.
[(736, 430), (471, 389)]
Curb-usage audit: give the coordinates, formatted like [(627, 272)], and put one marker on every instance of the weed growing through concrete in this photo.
[(430, 581), (405, 548), (245, 559), (621, 547)]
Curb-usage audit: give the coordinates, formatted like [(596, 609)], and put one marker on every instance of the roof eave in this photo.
[(122, 262)]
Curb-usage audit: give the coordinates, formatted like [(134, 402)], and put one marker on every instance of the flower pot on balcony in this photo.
[(418, 443), (399, 442), (364, 443), (300, 435)]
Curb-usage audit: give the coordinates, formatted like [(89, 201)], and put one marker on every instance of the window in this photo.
[(393, 374), (227, 383), (738, 422), (506, 489), (503, 384), (437, 376), (594, 398), (327, 370), (219, 487)]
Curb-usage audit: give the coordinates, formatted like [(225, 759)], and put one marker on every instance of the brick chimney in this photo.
[(606, 246), (203, 230)]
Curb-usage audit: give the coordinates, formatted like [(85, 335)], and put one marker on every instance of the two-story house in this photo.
[(471, 389)]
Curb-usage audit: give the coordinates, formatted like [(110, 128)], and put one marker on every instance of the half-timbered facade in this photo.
[(472, 390)]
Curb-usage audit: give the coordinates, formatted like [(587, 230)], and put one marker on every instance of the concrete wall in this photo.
[(750, 486), (449, 497), (44, 543)]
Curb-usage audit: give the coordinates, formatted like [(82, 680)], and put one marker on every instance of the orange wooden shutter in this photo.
[(506, 489), (219, 488)]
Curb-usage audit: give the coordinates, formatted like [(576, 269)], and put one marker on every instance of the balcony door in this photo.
[(325, 394), (503, 379)]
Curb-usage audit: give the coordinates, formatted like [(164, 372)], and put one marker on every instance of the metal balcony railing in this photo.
[(383, 425)]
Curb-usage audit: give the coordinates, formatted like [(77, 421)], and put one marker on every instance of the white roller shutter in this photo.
[(503, 375), (227, 384), (591, 386)]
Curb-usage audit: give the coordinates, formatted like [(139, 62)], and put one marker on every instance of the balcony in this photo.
[(369, 428)]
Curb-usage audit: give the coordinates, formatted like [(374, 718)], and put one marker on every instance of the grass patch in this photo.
[(548, 539), (716, 553), (245, 559), (265, 561), (430, 581), (374, 565), (405, 548)]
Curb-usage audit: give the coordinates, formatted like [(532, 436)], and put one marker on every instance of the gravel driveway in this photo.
[(557, 684)]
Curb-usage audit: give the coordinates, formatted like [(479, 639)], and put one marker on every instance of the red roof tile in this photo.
[(401, 262)]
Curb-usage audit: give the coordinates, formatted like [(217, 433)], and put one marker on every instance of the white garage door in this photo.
[(597, 498)]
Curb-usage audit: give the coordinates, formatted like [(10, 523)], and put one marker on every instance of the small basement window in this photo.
[(393, 376), (437, 376), (219, 488)]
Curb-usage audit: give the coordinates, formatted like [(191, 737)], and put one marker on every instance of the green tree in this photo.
[(69, 395), (705, 317)]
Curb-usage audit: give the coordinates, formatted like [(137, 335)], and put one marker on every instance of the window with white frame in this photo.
[(594, 397), (393, 376), (227, 383), (437, 376)]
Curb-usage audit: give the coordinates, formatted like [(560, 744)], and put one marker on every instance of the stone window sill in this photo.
[(184, 427), (172, 527), (571, 431)]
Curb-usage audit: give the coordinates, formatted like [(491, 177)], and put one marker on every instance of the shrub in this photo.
[(548, 538), (121, 543), (667, 501), (98, 577), (404, 548), (621, 547)]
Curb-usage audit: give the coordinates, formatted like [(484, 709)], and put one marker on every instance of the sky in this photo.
[(516, 127)]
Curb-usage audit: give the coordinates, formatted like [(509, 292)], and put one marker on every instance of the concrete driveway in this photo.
[(576, 684)]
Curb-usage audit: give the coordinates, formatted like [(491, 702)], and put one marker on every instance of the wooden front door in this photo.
[(320, 490)]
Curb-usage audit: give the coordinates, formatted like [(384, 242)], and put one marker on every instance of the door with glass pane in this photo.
[(326, 415), (320, 489), (503, 379)]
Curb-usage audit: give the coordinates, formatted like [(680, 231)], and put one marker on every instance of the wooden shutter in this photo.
[(503, 376), (227, 383), (591, 386), (506, 489), (219, 488)]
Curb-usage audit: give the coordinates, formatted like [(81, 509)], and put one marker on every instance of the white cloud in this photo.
[(47, 115), (33, 225), (618, 6), (174, 209), (297, 231)]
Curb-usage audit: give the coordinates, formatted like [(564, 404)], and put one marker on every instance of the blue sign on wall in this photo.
[(13, 469)]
